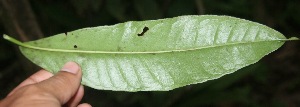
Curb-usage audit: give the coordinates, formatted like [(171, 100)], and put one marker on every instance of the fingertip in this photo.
[(71, 67), (84, 105)]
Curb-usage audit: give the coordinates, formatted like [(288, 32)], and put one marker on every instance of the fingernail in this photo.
[(71, 67)]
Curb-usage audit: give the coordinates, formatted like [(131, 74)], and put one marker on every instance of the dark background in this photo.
[(273, 81)]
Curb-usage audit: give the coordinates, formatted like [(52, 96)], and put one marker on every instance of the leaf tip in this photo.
[(293, 38), (10, 39), (6, 36)]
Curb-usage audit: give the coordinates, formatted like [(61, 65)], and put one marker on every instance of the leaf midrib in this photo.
[(149, 52)]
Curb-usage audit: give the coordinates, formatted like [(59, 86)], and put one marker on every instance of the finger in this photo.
[(35, 78), (84, 105), (64, 84), (74, 101)]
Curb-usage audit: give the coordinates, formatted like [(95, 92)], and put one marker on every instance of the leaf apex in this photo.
[(293, 38), (13, 40), (6, 36)]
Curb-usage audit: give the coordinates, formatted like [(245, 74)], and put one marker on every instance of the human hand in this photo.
[(42, 89)]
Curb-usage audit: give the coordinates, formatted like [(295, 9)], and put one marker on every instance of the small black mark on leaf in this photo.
[(66, 33), (75, 46), (144, 31)]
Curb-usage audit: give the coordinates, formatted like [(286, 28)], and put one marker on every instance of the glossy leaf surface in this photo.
[(156, 54)]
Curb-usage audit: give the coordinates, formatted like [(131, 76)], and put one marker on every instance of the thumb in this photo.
[(63, 85)]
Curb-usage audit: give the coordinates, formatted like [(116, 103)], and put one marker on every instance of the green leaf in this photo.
[(156, 54)]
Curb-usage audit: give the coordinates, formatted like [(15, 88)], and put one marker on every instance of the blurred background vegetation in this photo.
[(274, 81)]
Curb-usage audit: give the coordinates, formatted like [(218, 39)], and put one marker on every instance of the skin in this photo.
[(44, 89)]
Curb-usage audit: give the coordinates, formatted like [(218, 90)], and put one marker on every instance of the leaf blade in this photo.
[(173, 53)]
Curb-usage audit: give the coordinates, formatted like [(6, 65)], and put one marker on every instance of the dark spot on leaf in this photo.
[(75, 46), (144, 31), (66, 33)]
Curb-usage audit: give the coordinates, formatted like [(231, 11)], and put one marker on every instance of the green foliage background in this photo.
[(274, 81)]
